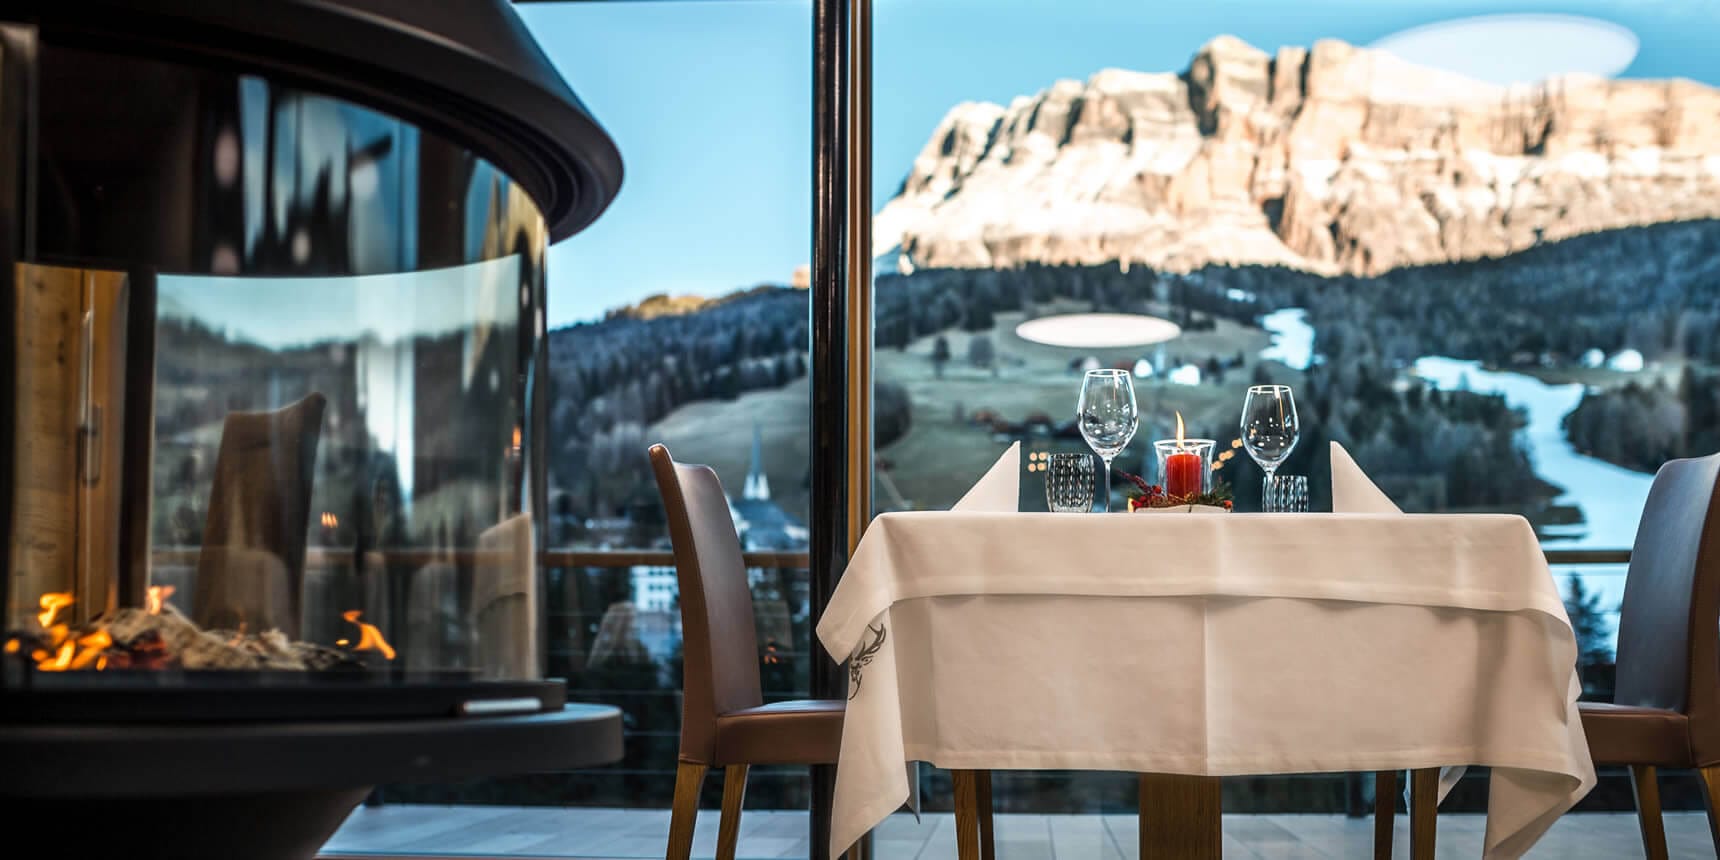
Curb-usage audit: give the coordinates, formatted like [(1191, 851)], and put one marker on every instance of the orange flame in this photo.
[(329, 520), (157, 597), (61, 660), (370, 638), (91, 647), (1179, 431), (52, 603)]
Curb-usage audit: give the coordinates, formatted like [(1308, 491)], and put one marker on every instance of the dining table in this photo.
[(1191, 647)]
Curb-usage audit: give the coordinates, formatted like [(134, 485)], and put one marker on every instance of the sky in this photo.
[(710, 100)]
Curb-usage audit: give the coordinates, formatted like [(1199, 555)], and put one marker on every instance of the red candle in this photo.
[(1183, 473)]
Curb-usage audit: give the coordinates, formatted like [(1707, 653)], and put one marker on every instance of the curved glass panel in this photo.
[(275, 358)]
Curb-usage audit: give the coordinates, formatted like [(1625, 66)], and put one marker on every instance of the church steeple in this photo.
[(757, 485)]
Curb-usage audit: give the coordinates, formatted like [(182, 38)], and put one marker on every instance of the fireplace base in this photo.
[(260, 791), (264, 826)]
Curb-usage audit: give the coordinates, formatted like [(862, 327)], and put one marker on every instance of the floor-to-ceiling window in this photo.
[(1480, 246), (680, 318)]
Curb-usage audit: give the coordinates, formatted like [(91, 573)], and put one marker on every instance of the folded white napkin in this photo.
[(1352, 491), (999, 489)]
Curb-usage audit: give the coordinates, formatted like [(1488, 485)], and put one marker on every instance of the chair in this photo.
[(724, 721), (1666, 708), (251, 568)]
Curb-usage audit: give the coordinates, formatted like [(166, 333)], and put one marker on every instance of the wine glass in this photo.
[(1108, 417), (1269, 429)]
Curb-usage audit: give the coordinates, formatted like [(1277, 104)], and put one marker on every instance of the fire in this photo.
[(329, 520), (369, 638), (73, 654), (1179, 431), (52, 603), (157, 597)]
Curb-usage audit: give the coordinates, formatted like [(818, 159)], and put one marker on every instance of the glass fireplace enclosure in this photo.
[(269, 364)]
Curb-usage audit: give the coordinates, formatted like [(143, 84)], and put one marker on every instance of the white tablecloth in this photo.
[(1207, 645)]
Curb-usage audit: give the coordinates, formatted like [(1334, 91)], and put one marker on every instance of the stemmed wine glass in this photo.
[(1108, 416), (1269, 430)]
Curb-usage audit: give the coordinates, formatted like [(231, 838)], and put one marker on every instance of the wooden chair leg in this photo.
[(1645, 784), (1385, 812), (1423, 812), (1180, 817), (729, 825), (967, 814), (684, 809), (1711, 794), (982, 802)]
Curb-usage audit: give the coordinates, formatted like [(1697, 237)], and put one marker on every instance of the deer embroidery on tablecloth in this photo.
[(863, 656)]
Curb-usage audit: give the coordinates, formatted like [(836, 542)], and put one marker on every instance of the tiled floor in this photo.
[(481, 831)]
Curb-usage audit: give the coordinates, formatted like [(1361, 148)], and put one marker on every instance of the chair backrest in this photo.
[(1668, 638), (719, 640), (259, 506)]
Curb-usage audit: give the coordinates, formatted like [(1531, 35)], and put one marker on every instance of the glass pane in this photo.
[(274, 431), (1495, 294), (397, 386), (680, 317)]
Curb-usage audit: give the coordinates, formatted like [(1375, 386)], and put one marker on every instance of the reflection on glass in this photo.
[(396, 392)]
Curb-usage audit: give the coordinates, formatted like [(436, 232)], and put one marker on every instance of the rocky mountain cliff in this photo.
[(1334, 159)]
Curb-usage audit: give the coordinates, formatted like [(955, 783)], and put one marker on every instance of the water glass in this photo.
[(1069, 483), (1285, 494)]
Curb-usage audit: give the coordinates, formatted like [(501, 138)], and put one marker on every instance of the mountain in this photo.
[(664, 305), (1333, 160)]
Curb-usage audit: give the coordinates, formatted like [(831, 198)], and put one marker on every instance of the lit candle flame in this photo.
[(156, 598), (1179, 431), (52, 603), (329, 520), (370, 638)]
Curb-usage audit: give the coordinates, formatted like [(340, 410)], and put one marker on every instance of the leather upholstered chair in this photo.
[(724, 721), (1666, 707)]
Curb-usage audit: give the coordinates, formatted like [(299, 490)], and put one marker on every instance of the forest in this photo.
[(1642, 426)]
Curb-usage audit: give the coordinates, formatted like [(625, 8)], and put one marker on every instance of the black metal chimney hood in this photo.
[(467, 67)]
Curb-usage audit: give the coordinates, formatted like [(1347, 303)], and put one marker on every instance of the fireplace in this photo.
[(272, 392)]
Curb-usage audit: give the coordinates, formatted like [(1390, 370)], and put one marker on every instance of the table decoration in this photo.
[(1152, 498), (1185, 465)]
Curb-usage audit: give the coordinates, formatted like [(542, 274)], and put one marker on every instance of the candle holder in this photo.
[(1185, 466)]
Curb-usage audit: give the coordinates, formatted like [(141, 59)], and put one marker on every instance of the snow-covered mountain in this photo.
[(1334, 159)]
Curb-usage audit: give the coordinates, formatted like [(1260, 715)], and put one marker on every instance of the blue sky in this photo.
[(710, 102)]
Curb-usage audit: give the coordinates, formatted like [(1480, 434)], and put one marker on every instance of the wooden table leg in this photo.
[(1423, 812), (1180, 817), (967, 814), (982, 802), (1385, 812)]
